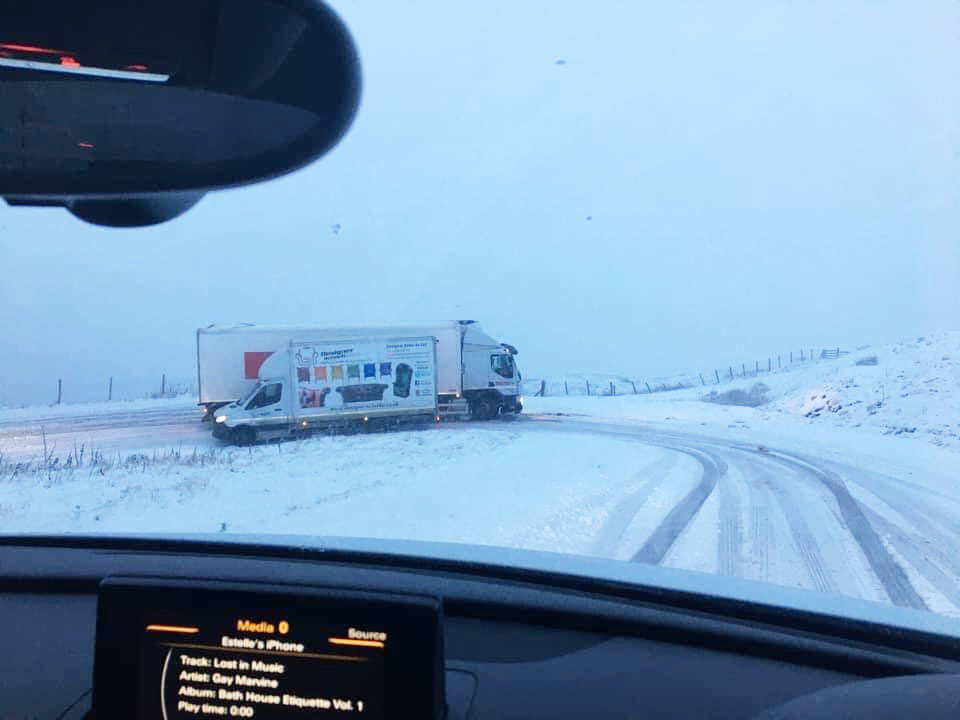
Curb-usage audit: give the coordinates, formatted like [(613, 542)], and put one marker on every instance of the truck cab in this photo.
[(491, 376), (264, 410)]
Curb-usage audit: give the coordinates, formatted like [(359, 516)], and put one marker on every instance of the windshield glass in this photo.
[(249, 396), (502, 365), (722, 238)]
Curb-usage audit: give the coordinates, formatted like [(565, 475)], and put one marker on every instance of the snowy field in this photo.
[(843, 478), (833, 408)]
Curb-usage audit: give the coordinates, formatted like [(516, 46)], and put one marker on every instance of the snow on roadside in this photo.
[(900, 416), (467, 485)]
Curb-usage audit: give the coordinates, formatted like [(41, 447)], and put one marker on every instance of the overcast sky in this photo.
[(692, 185)]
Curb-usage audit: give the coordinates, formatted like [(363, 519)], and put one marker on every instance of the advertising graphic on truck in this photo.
[(377, 382), (365, 375)]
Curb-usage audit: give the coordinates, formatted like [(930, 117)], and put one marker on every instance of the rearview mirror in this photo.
[(125, 100)]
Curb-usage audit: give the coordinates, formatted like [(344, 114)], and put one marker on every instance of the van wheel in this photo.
[(244, 435), (483, 408)]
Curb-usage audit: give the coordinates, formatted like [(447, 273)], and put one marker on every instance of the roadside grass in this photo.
[(53, 468)]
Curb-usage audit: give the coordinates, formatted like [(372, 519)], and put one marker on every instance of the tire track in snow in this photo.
[(676, 521), (760, 531), (891, 576), (655, 548), (730, 548), (931, 524), (613, 529), (806, 543), (911, 547)]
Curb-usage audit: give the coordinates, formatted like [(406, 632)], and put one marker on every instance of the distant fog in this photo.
[(635, 188)]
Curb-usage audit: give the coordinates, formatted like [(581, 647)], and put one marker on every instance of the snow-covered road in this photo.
[(778, 516), (142, 426), (637, 491)]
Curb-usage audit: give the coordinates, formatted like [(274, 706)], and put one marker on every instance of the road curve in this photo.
[(766, 514), (822, 520)]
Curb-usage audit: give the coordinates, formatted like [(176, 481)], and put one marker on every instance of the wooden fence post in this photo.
[(769, 364), (743, 368), (566, 388), (701, 379), (778, 362), (110, 390), (756, 367), (588, 387), (613, 388), (634, 386), (543, 388), (59, 390), (648, 387), (163, 384), (791, 356), (716, 374), (731, 372), (801, 356)]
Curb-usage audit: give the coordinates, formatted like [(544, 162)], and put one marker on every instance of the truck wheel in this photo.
[(244, 435), (483, 408)]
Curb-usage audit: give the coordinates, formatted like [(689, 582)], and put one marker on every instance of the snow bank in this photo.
[(468, 485)]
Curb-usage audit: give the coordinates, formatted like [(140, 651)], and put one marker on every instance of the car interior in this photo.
[(161, 627), (468, 640)]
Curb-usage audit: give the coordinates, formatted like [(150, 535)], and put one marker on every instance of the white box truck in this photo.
[(476, 374), (377, 381)]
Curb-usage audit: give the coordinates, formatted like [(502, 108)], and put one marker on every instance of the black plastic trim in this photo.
[(475, 590), (228, 174)]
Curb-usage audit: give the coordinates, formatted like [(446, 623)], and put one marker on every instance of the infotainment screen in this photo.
[(171, 651)]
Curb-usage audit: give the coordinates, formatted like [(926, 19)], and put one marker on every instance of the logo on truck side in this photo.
[(252, 362), (306, 357)]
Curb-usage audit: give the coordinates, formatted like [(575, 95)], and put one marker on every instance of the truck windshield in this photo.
[(502, 365)]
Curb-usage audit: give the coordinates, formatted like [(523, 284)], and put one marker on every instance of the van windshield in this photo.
[(242, 402)]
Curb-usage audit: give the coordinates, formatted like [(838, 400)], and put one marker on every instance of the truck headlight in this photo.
[(221, 418)]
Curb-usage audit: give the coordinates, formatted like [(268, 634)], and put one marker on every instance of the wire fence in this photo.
[(592, 385), (610, 385), (114, 388)]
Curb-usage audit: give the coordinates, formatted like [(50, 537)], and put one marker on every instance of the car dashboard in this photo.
[(507, 645)]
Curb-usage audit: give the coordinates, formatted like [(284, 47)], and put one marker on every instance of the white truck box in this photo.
[(471, 365)]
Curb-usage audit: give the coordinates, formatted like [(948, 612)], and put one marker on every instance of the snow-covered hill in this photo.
[(911, 388), (914, 388)]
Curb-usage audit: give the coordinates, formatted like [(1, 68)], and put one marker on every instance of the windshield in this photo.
[(721, 238), (502, 365), (242, 402)]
